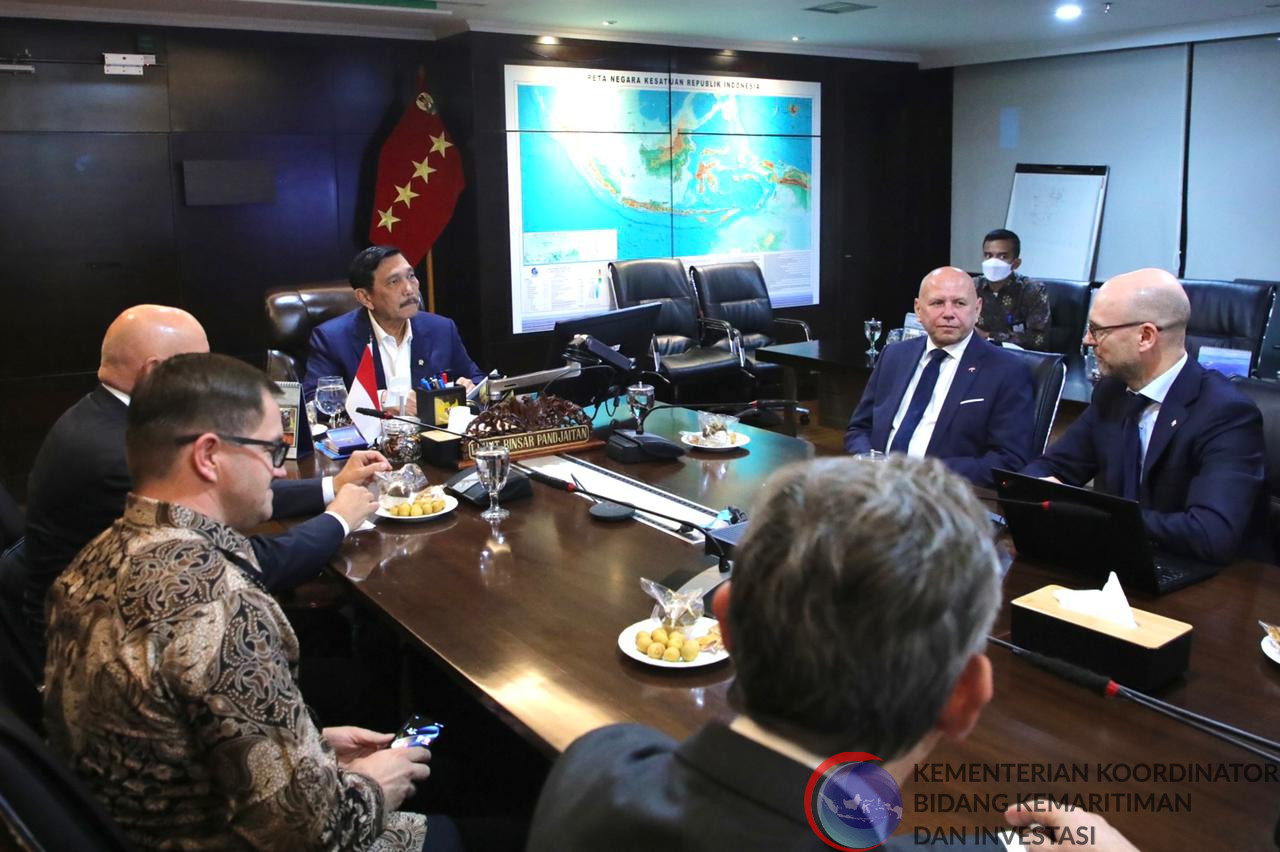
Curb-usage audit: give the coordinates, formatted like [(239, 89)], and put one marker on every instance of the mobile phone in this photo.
[(417, 730)]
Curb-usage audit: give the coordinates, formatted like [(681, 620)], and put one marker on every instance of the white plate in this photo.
[(627, 643), (1269, 648), (694, 439), (450, 503)]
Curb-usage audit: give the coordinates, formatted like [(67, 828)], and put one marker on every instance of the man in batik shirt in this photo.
[(1015, 309), (172, 673)]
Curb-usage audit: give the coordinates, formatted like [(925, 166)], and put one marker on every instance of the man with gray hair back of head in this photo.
[(857, 616), (1163, 430)]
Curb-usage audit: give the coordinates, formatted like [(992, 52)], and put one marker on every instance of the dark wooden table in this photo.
[(526, 615), (842, 367)]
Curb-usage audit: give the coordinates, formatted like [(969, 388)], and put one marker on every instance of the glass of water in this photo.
[(1091, 371), (493, 463), (871, 328), (331, 398)]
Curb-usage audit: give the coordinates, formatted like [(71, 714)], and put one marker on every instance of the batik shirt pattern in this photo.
[(172, 691), (1018, 314)]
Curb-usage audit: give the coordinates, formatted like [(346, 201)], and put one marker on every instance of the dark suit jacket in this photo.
[(628, 787), (1202, 481), (337, 345), (77, 489), (994, 431)]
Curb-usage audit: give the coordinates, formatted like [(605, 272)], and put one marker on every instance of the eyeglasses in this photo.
[(1097, 332), (278, 448)]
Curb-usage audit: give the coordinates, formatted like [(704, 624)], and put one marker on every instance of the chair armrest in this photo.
[(735, 336), (801, 324)]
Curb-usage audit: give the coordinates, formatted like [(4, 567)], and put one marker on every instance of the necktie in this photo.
[(1131, 459), (919, 402)]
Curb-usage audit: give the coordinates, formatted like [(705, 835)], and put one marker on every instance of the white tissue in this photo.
[(1108, 603), (459, 417)]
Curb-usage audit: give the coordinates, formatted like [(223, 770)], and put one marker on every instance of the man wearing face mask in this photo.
[(1015, 309)]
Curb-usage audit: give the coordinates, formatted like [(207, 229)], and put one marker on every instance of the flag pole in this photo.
[(431, 284)]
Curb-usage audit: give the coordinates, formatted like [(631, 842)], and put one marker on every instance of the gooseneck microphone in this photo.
[(576, 488), (1063, 507)]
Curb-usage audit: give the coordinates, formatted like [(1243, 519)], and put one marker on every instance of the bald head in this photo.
[(1148, 295), (948, 305), (948, 276), (143, 336)]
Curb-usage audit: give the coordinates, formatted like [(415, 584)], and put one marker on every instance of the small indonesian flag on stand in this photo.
[(419, 181), (364, 394)]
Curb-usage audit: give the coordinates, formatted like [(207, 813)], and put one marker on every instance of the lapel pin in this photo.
[(1174, 423), (419, 362), (973, 369)]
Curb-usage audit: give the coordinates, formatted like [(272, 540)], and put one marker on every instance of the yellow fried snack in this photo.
[(643, 640), (656, 650), (660, 635), (689, 651), (671, 655), (676, 638), (415, 511)]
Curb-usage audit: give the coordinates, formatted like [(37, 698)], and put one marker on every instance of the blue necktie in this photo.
[(1131, 458), (919, 402)]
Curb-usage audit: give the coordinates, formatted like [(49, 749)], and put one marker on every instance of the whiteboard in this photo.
[(1056, 211)]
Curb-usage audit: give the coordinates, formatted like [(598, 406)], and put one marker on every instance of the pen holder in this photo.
[(434, 405)]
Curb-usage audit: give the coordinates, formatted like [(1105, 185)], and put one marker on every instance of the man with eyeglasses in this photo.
[(80, 478), (172, 673), (1164, 431)]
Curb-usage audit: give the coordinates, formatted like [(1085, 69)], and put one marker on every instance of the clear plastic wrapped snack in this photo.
[(673, 609)]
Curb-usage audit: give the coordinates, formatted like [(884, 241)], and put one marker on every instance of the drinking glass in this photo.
[(1091, 371), (331, 398), (640, 399), (871, 328), (493, 463)]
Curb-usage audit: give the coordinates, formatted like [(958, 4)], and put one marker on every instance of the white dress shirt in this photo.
[(395, 355), (946, 374), (1156, 390)]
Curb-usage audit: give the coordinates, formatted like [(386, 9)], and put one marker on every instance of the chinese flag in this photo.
[(419, 180)]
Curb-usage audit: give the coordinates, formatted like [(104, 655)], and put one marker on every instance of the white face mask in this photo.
[(995, 269)]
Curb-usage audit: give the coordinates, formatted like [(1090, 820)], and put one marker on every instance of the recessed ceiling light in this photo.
[(609, 23), (797, 38), (1067, 12), (548, 40)]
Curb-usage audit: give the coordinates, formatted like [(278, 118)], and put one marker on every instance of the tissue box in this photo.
[(1143, 657), (442, 449)]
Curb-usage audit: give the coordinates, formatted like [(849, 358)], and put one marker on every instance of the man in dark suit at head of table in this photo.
[(1163, 430), (80, 477), (857, 618), (951, 394)]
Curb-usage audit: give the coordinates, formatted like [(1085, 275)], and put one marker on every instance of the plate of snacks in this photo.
[(426, 505), (1271, 641), (715, 433), (674, 648)]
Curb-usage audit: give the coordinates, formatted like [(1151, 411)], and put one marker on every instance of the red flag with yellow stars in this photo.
[(419, 181)]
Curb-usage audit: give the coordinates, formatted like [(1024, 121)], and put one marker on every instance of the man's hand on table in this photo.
[(354, 503)]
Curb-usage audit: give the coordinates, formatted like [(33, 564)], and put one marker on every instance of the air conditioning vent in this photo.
[(838, 7)]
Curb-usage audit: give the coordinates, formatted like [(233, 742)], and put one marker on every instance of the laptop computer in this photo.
[(1091, 533)]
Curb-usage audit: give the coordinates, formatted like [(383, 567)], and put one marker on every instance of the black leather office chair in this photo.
[(677, 346), (1230, 314), (21, 661), (292, 312), (1048, 374), (736, 293), (1266, 395), (42, 804), (1068, 313)]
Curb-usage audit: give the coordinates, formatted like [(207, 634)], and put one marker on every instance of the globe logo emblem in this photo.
[(854, 804)]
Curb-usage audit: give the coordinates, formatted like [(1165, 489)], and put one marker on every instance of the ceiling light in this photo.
[(548, 40), (797, 38), (1067, 12), (609, 23)]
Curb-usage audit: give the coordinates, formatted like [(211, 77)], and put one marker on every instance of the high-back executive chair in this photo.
[(1048, 376), (678, 352), (292, 312)]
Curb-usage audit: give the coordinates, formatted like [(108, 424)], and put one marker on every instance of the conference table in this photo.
[(527, 612)]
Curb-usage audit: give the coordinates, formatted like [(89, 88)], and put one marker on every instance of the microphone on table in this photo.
[(599, 512), (1062, 507)]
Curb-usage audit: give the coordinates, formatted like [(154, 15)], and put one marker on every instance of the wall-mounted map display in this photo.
[(617, 165)]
